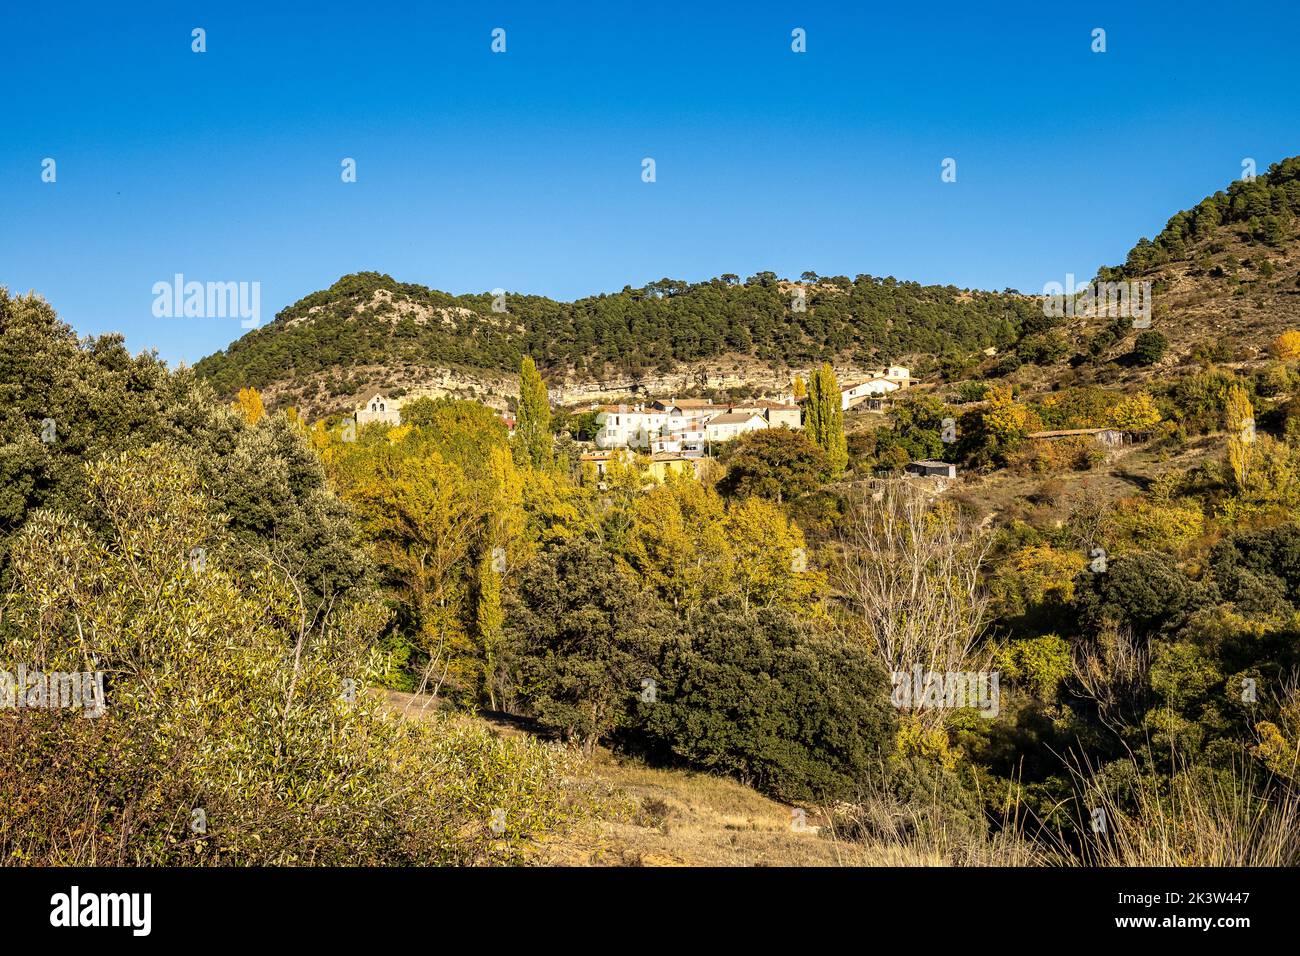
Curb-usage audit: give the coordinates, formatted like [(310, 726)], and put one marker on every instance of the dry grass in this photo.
[(1196, 818), (645, 816), (679, 818), (637, 815)]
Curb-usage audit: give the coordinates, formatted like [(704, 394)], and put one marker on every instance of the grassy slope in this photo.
[(653, 817)]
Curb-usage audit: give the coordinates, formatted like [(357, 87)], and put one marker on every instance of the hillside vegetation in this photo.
[(627, 667), (371, 319)]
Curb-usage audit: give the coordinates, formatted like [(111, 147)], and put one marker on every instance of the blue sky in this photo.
[(523, 170)]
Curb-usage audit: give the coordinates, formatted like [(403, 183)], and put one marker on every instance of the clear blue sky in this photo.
[(523, 170)]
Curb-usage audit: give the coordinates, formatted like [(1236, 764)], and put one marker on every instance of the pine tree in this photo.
[(533, 430), (824, 419)]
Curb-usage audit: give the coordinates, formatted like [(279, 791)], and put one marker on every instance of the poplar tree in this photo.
[(533, 429), (824, 419), (1240, 416)]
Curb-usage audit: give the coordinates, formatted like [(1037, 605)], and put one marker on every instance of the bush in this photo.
[(1149, 347), (801, 715), (1080, 453), (223, 697), (1143, 591)]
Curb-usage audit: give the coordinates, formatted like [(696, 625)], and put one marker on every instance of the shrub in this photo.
[(224, 696), (759, 695), (1149, 347)]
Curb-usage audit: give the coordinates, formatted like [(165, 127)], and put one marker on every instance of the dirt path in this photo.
[(659, 817)]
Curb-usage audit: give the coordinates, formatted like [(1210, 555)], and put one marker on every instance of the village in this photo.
[(679, 435), (676, 435)]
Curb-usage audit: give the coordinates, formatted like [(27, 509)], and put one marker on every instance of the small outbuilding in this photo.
[(929, 468)]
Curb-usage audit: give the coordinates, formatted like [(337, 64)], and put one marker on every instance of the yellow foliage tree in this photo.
[(1165, 525), (676, 544), (770, 556), (1137, 412), (500, 551), (249, 403), (1240, 416), (1035, 575), (684, 544), (1287, 346)]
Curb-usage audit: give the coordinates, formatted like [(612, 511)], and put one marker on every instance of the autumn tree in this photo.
[(1239, 417), (533, 429), (988, 435), (249, 404), (1286, 346), (1137, 412), (441, 501), (824, 419), (676, 544), (500, 549), (689, 549), (769, 557)]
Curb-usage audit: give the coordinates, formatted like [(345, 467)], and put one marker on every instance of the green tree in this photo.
[(824, 419), (533, 430), (762, 696), (1149, 347), (773, 463), (586, 637)]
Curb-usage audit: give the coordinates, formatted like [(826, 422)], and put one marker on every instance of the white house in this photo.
[(688, 440), (730, 425), (891, 379), (663, 426), (877, 385), (629, 426), (380, 408), (689, 408), (776, 413)]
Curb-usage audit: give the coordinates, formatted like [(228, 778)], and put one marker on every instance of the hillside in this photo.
[(368, 331), (642, 815), (1227, 271), (1224, 274), (1224, 283)]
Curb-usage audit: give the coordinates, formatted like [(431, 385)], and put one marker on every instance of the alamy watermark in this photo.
[(919, 689), (56, 690), (208, 300), (1127, 300)]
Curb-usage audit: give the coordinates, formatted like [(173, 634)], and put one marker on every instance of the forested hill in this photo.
[(372, 319), (1261, 210)]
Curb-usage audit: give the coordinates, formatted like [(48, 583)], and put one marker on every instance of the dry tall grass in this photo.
[(1197, 817)]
